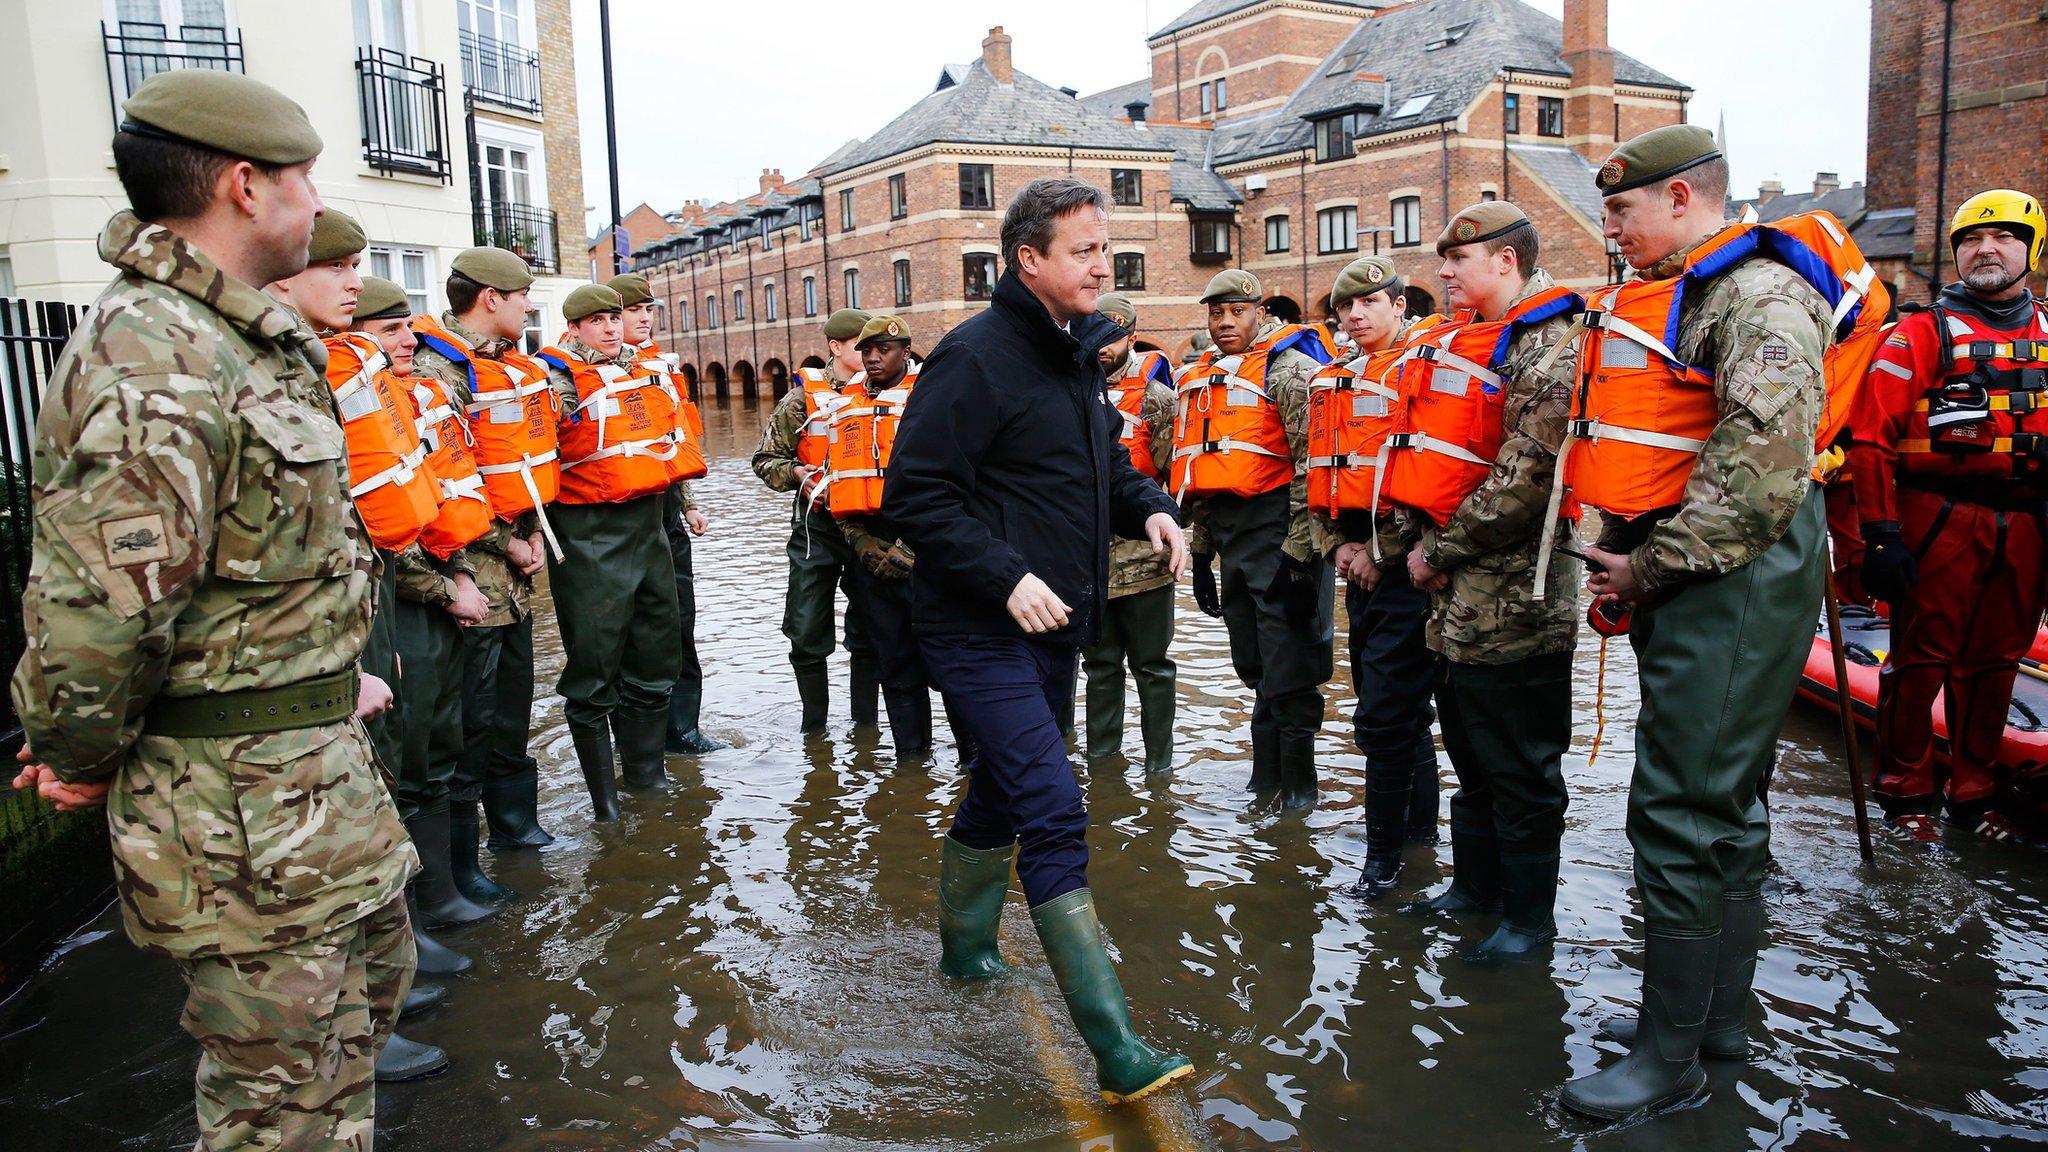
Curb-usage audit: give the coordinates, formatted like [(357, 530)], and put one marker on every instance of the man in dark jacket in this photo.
[(1007, 481)]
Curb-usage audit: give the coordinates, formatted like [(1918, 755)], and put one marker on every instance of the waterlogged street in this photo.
[(749, 960)]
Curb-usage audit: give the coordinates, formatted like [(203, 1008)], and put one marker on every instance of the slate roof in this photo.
[(1569, 174), (1845, 203), (1211, 9), (1886, 234), (1111, 101), (978, 110)]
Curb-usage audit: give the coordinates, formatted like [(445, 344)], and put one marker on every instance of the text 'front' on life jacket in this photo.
[(860, 436), (1983, 417), (394, 492), (1452, 413), (513, 413), (1351, 410), (1228, 436), (690, 460), (465, 511), (618, 443), (1127, 396)]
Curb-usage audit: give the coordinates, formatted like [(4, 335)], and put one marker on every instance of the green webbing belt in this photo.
[(307, 704)]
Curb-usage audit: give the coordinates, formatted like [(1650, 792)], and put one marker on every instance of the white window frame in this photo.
[(371, 32), (171, 15), (1328, 242), (900, 282), (810, 296), (1286, 234), (739, 305), (1411, 235), (850, 278), (420, 299), (529, 37), (770, 309)]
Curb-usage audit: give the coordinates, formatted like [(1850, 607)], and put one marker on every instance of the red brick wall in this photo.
[(1251, 46)]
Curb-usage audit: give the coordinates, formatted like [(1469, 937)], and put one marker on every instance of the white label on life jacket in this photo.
[(1241, 397), (1621, 352), (1368, 404), (509, 412), (1449, 381), (356, 403)]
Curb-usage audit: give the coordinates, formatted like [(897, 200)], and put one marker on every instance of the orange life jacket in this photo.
[(1350, 414), (820, 396), (1228, 438), (465, 511), (667, 364), (860, 434), (513, 413), (1449, 421), (618, 443), (394, 492), (1640, 416), (1985, 416), (1128, 397)]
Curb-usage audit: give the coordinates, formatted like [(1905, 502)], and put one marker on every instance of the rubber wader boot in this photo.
[(1265, 761), (421, 998), (593, 744), (641, 733), (862, 689), (1126, 1067), (462, 857), (1105, 720), (972, 886), (1298, 774), (1727, 1038), (684, 737), (1386, 816), (1423, 791), (442, 904), (512, 809), (816, 693), (1528, 901), (1475, 876), (1155, 720), (400, 1060), (910, 722), (1662, 1071), (436, 958)]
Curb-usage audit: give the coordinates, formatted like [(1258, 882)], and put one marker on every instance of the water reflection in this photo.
[(748, 960)]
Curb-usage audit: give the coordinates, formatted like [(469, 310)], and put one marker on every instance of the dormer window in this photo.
[(1334, 136)]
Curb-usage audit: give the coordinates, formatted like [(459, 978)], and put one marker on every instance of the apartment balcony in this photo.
[(136, 51), (494, 72), (521, 229), (404, 103)]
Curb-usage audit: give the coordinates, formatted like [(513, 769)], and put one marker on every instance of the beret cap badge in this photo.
[(1612, 171), (1465, 230)]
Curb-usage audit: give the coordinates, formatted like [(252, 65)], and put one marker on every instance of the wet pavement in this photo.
[(749, 960)]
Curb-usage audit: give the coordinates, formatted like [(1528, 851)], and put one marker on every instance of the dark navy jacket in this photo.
[(1007, 462)]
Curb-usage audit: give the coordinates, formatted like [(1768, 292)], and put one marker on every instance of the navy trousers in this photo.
[(1021, 788)]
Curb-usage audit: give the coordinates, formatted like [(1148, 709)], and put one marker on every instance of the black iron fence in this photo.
[(56, 866), (404, 104), (137, 51), (500, 73), (519, 228)]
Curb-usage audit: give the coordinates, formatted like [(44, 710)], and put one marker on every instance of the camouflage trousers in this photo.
[(288, 1038)]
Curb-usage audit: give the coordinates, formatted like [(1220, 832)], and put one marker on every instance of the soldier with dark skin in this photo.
[(199, 595), (790, 458), (1724, 589)]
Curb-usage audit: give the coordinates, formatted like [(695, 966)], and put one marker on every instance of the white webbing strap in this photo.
[(1594, 430), (466, 488), (1439, 354), (524, 467), (1859, 282), (1225, 446), (1379, 474), (1424, 442), (1609, 322), (402, 472), (1550, 513), (628, 448)]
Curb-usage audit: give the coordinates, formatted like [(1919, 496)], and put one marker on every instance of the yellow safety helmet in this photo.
[(2003, 206)]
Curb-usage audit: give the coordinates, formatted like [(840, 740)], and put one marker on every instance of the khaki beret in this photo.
[(588, 300), (336, 235), (1483, 221), (1658, 154), (881, 329), (1363, 277), (1233, 286), (845, 324), (381, 300), (493, 268), (632, 288), (1119, 308), (224, 111)]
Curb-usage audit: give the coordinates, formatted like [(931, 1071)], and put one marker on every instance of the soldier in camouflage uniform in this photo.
[(1725, 589), (1504, 680), (1276, 598), (1139, 626), (820, 559), (200, 591)]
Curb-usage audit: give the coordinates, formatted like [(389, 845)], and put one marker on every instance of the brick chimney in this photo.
[(1769, 190), (693, 211), (1826, 182), (771, 180), (995, 56), (1589, 105)]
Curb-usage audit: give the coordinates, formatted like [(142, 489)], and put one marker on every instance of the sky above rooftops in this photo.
[(710, 94)]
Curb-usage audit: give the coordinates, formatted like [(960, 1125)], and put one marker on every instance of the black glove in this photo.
[(1889, 570), (1206, 597), (1301, 593)]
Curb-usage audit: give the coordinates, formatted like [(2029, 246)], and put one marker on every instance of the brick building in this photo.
[(1284, 136), (1956, 106)]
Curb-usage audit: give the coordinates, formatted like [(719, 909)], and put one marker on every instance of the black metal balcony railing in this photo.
[(137, 51), (500, 73), (404, 103), (521, 229)]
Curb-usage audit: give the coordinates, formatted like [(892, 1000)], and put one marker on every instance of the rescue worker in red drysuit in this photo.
[(1949, 449)]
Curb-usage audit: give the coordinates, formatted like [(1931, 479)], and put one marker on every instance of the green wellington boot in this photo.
[(421, 999), (1727, 1038), (1126, 1068), (1297, 774), (463, 836), (1155, 721), (815, 691), (400, 1060), (685, 738), (436, 958), (512, 812), (593, 743), (1475, 877), (862, 691), (1663, 1070), (910, 722), (1528, 899), (972, 886), (642, 735), (1104, 717), (441, 903)]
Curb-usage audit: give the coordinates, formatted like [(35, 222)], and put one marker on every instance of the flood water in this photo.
[(750, 960)]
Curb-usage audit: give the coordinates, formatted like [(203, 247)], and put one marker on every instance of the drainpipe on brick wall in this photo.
[(824, 249), (788, 317), (697, 329), (1301, 178), (1948, 29), (1507, 78), (1178, 118), (1445, 168), (754, 322), (725, 329)]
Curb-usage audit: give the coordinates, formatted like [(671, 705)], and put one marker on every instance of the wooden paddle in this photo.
[(1847, 708)]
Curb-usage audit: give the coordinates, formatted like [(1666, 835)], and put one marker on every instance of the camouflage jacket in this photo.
[(1287, 377), (775, 458), (194, 535), (1133, 567), (1488, 613), (485, 558), (1762, 330)]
